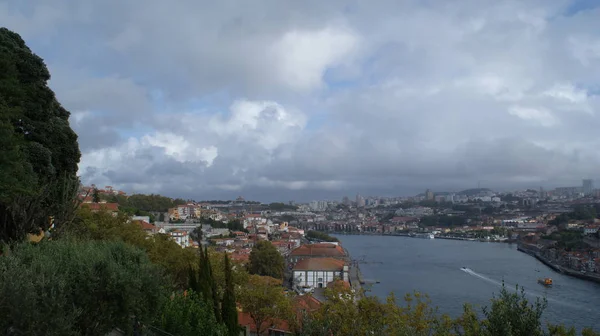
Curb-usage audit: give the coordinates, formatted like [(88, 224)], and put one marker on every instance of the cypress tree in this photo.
[(228, 305), (212, 287)]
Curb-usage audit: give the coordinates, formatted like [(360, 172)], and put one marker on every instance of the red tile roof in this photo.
[(320, 264), (101, 206), (307, 302), (245, 320), (319, 250), (146, 226)]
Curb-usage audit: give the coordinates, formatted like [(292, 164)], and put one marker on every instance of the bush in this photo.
[(77, 288), (189, 315)]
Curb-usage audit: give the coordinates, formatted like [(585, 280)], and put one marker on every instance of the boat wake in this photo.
[(480, 276), (513, 288)]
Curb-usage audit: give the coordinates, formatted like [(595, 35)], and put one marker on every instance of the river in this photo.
[(433, 267)]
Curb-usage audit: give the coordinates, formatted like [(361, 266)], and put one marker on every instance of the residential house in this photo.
[(181, 237), (590, 229), (147, 227), (112, 208), (314, 273), (320, 250)]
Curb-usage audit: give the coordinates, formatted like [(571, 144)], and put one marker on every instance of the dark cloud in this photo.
[(320, 99)]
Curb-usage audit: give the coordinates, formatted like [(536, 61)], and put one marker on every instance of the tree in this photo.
[(228, 304), (63, 287), (160, 248), (95, 196), (511, 314), (266, 260), (264, 300), (39, 153), (161, 217), (189, 314)]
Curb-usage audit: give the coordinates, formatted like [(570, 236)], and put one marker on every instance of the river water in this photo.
[(433, 267)]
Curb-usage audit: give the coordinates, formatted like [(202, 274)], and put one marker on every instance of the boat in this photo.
[(545, 281)]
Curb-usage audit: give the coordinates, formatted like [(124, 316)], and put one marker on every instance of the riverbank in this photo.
[(535, 252), (436, 237)]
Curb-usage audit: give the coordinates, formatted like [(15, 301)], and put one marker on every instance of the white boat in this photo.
[(424, 235)]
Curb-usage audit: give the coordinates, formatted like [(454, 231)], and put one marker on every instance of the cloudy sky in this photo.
[(274, 99)]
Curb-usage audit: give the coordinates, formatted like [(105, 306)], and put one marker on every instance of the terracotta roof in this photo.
[(307, 302), (319, 250), (320, 264), (245, 320), (146, 226), (101, 206)]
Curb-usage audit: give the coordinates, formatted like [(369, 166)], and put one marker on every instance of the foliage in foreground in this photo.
[(510, 314), (188, 314), (77, 288), (38, 149)]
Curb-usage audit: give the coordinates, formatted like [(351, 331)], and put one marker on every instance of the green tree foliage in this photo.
[(77, 288), (160, 248), (320, 236), (202, 281), (580, 212), (95, 196), (152, 202), (189, 314), (229, 313), (443, 221), (39, 153), (346, 313), (282, 207), (264, 300), (266, 260)]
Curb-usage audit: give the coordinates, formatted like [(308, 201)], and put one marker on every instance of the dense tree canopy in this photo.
[(266, 260), (320, 236), (39, 153), (77, 288)]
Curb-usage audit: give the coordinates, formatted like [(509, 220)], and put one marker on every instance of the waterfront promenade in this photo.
[(534, 251)]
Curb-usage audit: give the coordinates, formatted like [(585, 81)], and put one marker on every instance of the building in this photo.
[(588, 187), (590, 229), (112, 208), (314, 273), (320, 250), (181, 237), (429, 195), (360, 201)]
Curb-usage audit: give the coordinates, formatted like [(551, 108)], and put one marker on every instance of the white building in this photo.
[(318, 272), (181, 237)]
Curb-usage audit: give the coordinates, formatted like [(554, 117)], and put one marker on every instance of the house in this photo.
[(314, 273), (112, 208), (276, 327), (320, 250), (181, 237), (590, 229), (147, 227)]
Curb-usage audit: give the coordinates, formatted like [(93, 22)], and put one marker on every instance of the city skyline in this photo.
[(279, 100)]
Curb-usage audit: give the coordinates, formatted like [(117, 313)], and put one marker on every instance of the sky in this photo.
[(300, 100)]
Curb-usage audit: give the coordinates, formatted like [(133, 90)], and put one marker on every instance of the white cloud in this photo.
[(538, 115), (302, 57), (325, 97)]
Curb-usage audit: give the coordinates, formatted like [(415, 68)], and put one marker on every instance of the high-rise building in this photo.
[(360, 201), (429, 195), (588, 186)]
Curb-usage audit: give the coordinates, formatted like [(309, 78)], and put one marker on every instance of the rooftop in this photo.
[(319, 250), (320, 264)]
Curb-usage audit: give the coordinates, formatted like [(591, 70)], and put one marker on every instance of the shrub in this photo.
[(77, 288)]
